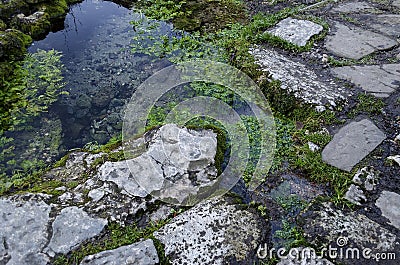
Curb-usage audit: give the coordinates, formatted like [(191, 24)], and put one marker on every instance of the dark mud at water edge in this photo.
[(100, 74)]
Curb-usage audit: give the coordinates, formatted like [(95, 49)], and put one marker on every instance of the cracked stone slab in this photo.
[(296, 31), (352, 143), (71, 227), (178, 165), (324, 224), (212, 232), (355, 42), (389, 204), (23, 232), (297, 78), (119, 173), (380, 80), (139, 253)]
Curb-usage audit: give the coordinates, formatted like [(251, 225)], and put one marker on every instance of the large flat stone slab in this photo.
[(352, 143), (212, 232), (23, 232), (139, 253), (71, 227), (380, 80), (299, 79), (389, 204), (387, 24), (296, 31), (355, 42)]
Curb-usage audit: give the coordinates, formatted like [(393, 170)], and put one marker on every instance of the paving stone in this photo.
[(352, 143), (23, 232), (355, 42), (212, 232), (325, 225), (297, 78), (380, 80), (354, 7), (296, 31), (71, 227), (387, 23), (141, 253), (389, 204)]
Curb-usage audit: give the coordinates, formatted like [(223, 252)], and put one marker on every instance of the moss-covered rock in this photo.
[(54, 9), (11, 8), (35, 25), (13, 43)]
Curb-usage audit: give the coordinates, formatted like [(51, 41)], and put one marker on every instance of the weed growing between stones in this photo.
[(291, 235), (116, 236), (367, 104)]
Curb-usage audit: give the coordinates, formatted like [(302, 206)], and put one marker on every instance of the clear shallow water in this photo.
[(101, 73)]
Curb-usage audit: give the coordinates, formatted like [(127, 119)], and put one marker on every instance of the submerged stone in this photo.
[(213, 232), (139, 253), (352, 143), (355, 43), (296, 31)]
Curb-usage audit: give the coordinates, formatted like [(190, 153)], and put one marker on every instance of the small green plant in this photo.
[(116, 236), (291, 235), (367, 104), (263, 210)]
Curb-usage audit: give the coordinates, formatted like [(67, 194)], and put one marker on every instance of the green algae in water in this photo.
[(38, 85)]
